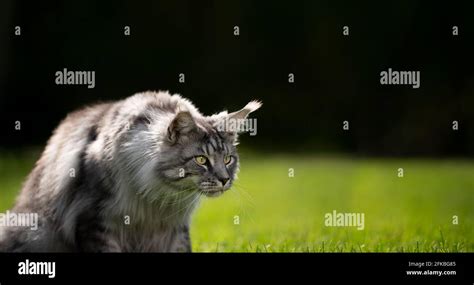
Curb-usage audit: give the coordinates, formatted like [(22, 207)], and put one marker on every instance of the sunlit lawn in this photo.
[(269, 211)]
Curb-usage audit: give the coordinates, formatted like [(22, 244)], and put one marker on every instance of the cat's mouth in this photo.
[(212, 193), (211, 189)]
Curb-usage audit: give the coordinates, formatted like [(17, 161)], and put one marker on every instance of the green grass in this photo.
[(278, 213)]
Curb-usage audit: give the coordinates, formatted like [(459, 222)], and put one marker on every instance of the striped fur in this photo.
[(122, 177)]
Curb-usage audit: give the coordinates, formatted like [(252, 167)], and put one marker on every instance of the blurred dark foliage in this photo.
[(336, 77)]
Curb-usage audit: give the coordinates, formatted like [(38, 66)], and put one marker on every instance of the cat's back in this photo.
[(61, 156), (91, 131)]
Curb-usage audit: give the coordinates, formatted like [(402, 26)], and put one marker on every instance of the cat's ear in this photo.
[(182, 125), (234, 123), (243, 113)]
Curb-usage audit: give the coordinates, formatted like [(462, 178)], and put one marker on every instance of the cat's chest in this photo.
[(143, 239), (139, 227)]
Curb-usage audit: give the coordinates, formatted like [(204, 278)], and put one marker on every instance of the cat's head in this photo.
[(174, 148), (205, 157)]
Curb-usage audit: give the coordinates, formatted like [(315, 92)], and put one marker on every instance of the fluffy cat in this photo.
[(146, 160)]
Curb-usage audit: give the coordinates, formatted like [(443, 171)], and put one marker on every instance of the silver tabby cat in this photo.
[(126, 176)]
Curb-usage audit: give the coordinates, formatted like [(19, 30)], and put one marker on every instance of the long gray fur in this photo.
[(121, 177)]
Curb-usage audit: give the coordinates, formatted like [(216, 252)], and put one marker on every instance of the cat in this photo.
[(126, 176)]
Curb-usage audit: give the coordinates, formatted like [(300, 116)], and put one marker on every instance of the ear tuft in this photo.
[(245, 111), (234, 123), (253, 106)]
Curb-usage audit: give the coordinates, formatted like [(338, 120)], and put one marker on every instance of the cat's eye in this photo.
[(200, 159), (227, 159)]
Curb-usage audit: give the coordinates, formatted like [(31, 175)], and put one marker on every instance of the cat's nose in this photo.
[(223, 180)]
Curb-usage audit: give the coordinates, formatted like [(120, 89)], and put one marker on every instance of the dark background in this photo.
[(336, 77)]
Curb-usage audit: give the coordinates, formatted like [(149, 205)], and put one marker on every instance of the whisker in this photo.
[(248, 203), (186, 206)]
